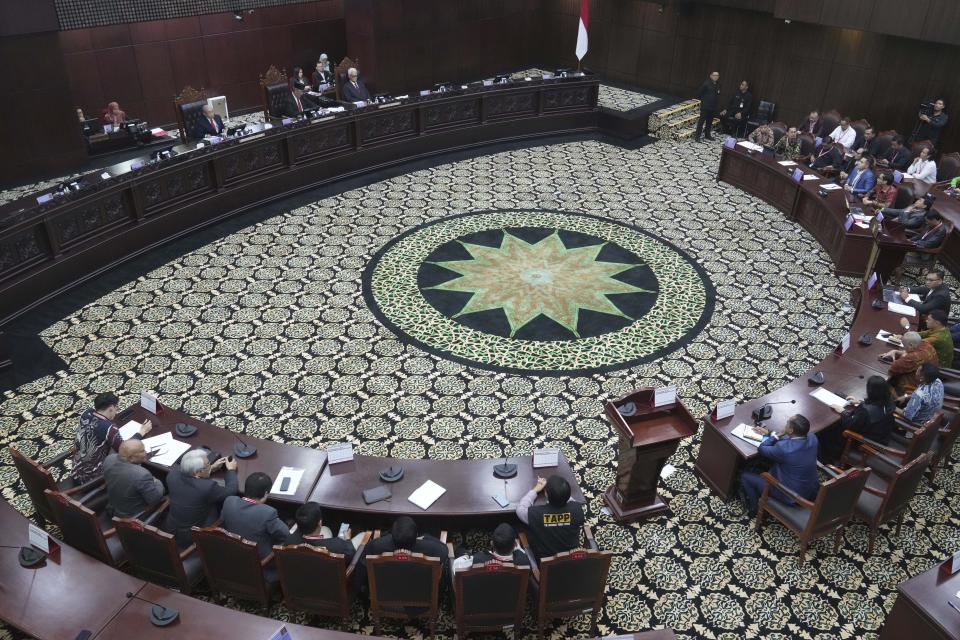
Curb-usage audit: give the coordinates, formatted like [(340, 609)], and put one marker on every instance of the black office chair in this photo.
[(275, 88), (188, 106), (763, 115)]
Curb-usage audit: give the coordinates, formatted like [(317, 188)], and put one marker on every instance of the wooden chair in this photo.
[(84, 530), (404, 585), (38, 477), (808, 144), (862, 451), (877, 506), (188, 105), (233, 565), (828, 513), (569, 583), (489, 597), (860, 126), (340, 73), (918, 145), (884, 138), (154, 554), (779, 130), (275, 87), (315, 580), (829, 121), (949, 166), (942, 446)]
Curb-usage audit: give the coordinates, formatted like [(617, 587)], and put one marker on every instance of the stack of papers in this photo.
[(902, 309), (887, 337), (746, 433), (130, 429), (787, 163), (427, 494), (828, 398), (810, 176), (830, 186), (166, 451), (749, 145)]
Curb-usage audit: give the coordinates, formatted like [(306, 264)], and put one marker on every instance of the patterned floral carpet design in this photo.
[(264, 328), (621, 99)]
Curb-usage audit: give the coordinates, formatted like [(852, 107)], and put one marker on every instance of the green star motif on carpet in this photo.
[(527, 280)]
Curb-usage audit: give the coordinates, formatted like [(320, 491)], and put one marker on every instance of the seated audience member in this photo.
[(762, 135), (296, 102), (114, 115), (872, 418), (252, 519), (897, 157), (195, 497), (927, 398), (97, 436), (131, 489), (844, 134), (869, 145), (298, 76), (847, 165), (907, 361), (811, 124), (938, 335), (794, 463), (208, 124), (322, 73), (555, 526), (789, 145), (930, 237), (923, 168), (403, 535), (738, 109), (932, 124), (912, 216), (310, 530), (827, 156), (861, 180), (503, 548), (883, 194), (934, 293), (353, 89)]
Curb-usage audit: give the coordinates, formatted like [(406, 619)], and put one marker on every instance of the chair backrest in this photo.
[(920, 144), (902, 486), (187, 106), (836, 500), (491, 595), (340, 73), (904, 197), (275, 87), (808, 144), (37, 479), (572, 582), (402, 581), (152, 552), (313, 579), (948, 435), (829, 121), (923, 438), (231, 564), (80, 526), (765, 111), (949, 166), (779, 130), (859, 126), (885, 138)]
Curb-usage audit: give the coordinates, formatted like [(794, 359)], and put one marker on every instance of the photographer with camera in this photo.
[(932, 120)]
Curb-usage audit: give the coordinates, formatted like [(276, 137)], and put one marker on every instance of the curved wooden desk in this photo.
[(45, 249)]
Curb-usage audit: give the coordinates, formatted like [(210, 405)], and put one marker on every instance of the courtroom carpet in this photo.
[(264, 328)]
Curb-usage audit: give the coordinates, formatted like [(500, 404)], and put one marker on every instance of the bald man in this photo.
[(131, 489)]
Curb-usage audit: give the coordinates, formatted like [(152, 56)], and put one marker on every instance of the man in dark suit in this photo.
[(310, 530), (208, 124), (931, 236), (403, 535), (897, 157), (828, 156), (252, 519), (195, 497), (297, 101), (131, 489), (738, 110), (868, 144), (554, 526), (504, 548), (322, 73), (353, 89), (811, 124), (709, 96), (934, 295), (794, 457)]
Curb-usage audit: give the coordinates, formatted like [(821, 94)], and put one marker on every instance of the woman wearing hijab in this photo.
[(114, 115)]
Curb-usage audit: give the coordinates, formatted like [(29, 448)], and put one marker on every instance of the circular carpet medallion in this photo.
[(538, 291)]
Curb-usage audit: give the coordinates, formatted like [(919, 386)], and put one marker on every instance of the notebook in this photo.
[(427, 494)]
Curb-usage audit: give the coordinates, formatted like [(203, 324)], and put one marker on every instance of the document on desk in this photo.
[(828, 398), (746, 433), (130, 429), (830, 186), (750, 145), (167, 453), (902, 309), (427, 494), (294, 474), (787, 163), (810, 176)]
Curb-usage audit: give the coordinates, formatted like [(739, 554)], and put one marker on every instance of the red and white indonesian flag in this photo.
[(582, 29)]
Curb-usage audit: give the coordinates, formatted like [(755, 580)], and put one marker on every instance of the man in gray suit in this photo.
[(253, 520), (195, 497), (131, 489)]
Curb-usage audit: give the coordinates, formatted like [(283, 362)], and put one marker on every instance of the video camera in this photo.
[(926, 108)]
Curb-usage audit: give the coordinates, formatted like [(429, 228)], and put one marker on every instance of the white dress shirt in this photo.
[(925, 170), (846, 138)]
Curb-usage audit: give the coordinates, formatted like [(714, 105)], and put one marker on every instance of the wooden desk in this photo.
[(921, 610), (269, 458), (470, 486), (823, 217), (721, 454)]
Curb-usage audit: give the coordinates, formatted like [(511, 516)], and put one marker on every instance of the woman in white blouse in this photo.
[(923, 168)]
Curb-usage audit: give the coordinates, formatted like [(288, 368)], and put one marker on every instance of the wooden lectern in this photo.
[(647, 439)]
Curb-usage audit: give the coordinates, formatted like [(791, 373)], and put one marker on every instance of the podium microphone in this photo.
[(504, 470), (764, 412), (160, 616), (242, 449), (29, 556)]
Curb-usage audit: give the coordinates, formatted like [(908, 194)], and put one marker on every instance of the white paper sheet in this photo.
[(148, 401), (902, 309), (884, 336), (427, 494), (663, 396), (741, 431), (130, 429), (913, 297), (38, 537), (667, 471), (155, 442), (828, 397), (294, 474), (810, 176), (170, 452), (829, 186), (787, 163), (749, 145)]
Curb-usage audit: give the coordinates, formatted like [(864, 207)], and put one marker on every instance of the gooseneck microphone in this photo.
[(505, 469), (242, 449), (29, 556), (160, 616), (764, 412)]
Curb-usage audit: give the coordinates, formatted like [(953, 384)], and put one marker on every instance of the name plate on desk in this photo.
[(148, 401), (872, 280), (848, 222), (340, 452), (324, 119), (664, 396), (38, 538), (798, 175), (47, 197), (725, 409), (546, 458), (949, 567), (281, 634), (897, 177), (104, 176), (729, 143), (844, 344)]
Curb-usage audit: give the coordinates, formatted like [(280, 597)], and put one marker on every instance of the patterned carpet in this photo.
[(263, 327), (620, 99)]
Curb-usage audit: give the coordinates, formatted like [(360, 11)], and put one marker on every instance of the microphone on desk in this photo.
[(29, 556), (764, 412), (504, 470), (242, 449), (160, 616)]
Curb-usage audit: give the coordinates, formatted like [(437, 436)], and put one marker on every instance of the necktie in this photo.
[(299, 106), (857, 179), (213, 124)]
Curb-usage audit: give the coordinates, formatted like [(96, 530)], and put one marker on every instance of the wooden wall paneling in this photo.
[(807, 86), (656, 17), (623, 54), (942, 23), (84, 82), (18, 17), (654, 62), (852, 14), (155, 70), (232, 58), (109, 37), (692, 63), (860, 48), (598, 54), (119, 77), (899, 18), (74, 41), (278, 50), (850, 89), (189, 65), (329, 9), (179, 28), (153, 31)]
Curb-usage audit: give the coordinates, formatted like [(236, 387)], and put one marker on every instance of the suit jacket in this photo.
[(203, 127), (354, 94), (871, 148), (131, 489), (733, 105), (333, 545), (814, 127), (519, 558), (195, 502), (863, 184), (794, 462), (930, 299), (932, 238), (254, 521), (290, 108), (709, 95), (899, 159), (830, 158), (322, 77)]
